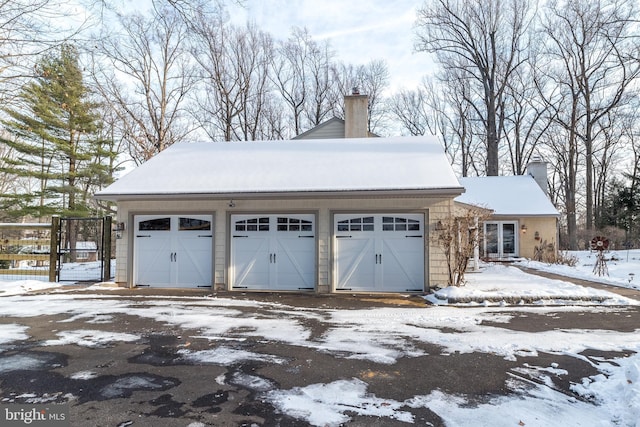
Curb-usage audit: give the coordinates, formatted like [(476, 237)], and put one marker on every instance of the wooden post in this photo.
[(53, 247), (106, 248)]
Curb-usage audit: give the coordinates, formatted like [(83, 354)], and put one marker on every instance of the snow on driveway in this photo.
[(383, 335)]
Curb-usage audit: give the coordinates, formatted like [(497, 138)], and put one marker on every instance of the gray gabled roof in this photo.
[(319, 165)]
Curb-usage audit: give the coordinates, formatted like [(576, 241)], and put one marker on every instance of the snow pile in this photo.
[(502, 284), (619, 389)]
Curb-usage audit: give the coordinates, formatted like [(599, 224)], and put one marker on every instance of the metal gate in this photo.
[(84, 250)]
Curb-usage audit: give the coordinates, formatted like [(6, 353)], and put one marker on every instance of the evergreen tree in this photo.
[(622, 209), (56, 136)]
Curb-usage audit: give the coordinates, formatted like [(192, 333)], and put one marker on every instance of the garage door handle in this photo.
[(143, 235), (235, 235), (205, 235), (343, 237), (310, 237), (414, 236)]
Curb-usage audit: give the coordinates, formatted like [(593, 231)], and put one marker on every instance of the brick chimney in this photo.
[(537, 168), (356, 115)]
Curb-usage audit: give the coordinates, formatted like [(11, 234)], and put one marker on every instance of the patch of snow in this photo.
[(226, 356), (12, 332), (83, 375), (91, 338), (328, 404), (28, 361), (251, 382), (122, 385), (19, 287)]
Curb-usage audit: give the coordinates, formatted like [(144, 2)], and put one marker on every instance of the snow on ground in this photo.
[(623, 267), (384, 335), (23, 286)]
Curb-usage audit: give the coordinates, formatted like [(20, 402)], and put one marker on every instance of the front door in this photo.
[(500, 239)]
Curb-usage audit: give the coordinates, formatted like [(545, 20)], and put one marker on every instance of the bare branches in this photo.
[(145, 77), (483, 43)]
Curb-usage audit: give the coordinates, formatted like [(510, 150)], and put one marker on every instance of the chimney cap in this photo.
[(355, 90)]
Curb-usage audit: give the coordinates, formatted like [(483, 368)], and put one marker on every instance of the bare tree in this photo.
[(370, 79), (526, 114), (592, 62), (233, 64), (458, 236), (144, 73), (483, 40), (301, 74), (411, 110)]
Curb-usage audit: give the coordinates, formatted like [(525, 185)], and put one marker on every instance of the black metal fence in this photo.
[(82, 250)]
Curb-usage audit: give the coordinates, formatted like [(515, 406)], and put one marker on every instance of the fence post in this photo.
[(106, 248), (53, 247)]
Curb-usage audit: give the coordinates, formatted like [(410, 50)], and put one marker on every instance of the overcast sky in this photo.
[(359, 30)]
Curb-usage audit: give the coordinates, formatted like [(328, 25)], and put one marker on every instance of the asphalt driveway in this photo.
[(141, 375)]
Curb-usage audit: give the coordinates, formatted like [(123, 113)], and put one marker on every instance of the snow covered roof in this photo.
[(323, 165), (507, 195)]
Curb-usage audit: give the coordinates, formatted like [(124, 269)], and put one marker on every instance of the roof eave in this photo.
[(409, 192)]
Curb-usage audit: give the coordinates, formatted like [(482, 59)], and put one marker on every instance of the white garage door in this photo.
[(379, 253), (273, 252), (173, 250)]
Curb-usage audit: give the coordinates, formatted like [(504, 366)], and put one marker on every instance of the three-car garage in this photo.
[(371, 252), (320, 215)]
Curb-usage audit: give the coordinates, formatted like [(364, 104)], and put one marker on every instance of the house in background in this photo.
[(522, 217), (354, 125), (318, 215)]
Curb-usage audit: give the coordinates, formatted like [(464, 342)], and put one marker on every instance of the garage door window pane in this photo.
[(356, 224), (157, 224), (253, 224), (294, 224), (187, 224), (390, 223)]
